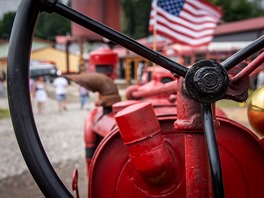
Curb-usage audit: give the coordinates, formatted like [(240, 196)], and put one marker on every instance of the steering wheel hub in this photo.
[(206, 81)]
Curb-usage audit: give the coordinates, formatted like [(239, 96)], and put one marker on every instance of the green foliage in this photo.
[(6, 25), (135, 18), (239, 9), (51, 25), (48, 26)]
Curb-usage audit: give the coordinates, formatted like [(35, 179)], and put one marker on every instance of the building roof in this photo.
[(37, 44), (240, 26), (214, 46)]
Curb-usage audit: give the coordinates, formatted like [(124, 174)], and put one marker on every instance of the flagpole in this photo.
[(155, 38)]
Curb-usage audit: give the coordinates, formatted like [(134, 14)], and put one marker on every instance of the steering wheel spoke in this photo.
[(243, 53), (116, 37), (213, 152)]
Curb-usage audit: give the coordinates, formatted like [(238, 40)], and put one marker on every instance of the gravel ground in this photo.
[(66, 153)]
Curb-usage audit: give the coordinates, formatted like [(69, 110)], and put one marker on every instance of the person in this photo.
[(260, 79), (140, 71), (84, 97), (61, 84), (2, 81), (40, 94), (32, 89)]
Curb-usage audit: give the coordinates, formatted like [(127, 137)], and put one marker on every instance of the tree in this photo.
[(239, 9), (6, 25), (48, 26), (51, 25), (135, 18)]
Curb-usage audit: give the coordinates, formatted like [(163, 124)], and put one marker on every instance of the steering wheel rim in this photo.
[(18, 84), (20, 105)]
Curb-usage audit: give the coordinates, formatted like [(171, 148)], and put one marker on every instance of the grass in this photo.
[(230, 103), (227, 104), (4, 113)]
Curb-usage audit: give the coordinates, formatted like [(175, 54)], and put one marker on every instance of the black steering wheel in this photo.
[(196, 83)]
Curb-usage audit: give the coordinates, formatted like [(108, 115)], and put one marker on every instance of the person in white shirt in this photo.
[(140, 71), (61, 92), (41, 96)]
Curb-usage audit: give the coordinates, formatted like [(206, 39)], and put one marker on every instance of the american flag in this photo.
[(188, 22)]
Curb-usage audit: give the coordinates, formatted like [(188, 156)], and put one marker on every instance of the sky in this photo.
[(12, 5), (8, 5)]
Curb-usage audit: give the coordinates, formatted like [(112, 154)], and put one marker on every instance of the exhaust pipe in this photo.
[(97, 82)]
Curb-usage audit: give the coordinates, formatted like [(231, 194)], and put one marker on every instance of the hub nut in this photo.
[(206, 81)]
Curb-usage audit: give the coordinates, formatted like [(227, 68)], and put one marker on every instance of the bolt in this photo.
[(208, 80)]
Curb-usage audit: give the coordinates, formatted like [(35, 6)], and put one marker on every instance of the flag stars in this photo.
[(171, 6)]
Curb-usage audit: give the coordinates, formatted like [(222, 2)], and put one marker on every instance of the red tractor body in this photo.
[(241, 156), (144, 152), (104, 60)]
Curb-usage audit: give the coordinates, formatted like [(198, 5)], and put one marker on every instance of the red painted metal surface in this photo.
[(145, 144), (157, 73), (97, 126), (239, 148), (123, 104), (152, 89), (75, 183), (220, 112), (250, 68), (104, 60), (154, 146)]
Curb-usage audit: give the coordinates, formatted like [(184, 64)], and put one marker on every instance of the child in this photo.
[(40, 94), (84, 97)]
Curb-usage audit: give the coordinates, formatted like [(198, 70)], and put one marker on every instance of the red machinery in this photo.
[(104, 60), (153, 148), (145, 124)]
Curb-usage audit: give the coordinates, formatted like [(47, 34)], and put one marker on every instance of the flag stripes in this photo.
[(189, 22)]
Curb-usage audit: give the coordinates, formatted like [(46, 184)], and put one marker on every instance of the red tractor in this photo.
[(104, 60), (151, 148)]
